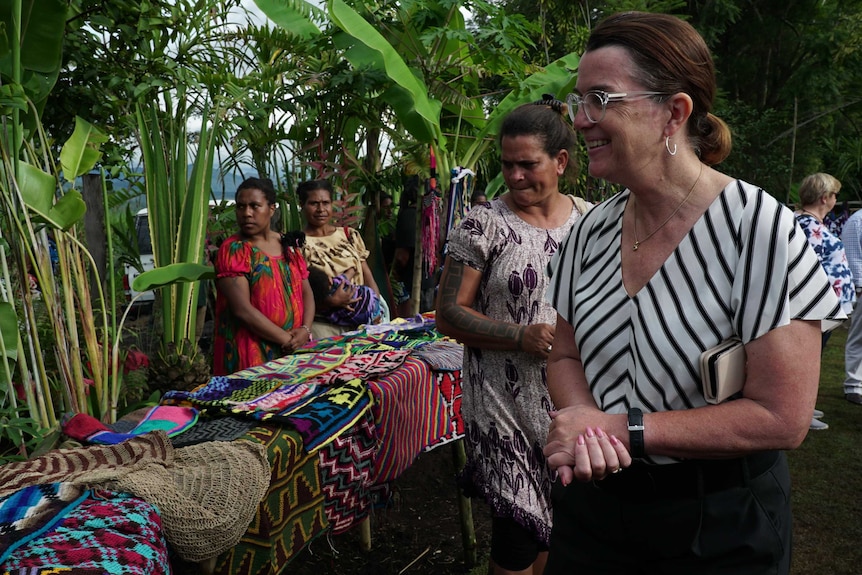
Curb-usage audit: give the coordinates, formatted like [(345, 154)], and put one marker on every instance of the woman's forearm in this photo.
[(467, 325), (476, 330)]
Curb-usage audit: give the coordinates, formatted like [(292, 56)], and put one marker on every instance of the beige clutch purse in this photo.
[(722, 369)]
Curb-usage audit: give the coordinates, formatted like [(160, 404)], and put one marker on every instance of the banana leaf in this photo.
[(172, 274)]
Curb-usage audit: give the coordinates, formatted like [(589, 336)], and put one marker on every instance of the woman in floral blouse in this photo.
[(818, 195), (492, 299)]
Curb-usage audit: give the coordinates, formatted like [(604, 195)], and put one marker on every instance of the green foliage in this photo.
[(179, 211)]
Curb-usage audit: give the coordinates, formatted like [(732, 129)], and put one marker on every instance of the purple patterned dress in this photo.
[(505, 403)]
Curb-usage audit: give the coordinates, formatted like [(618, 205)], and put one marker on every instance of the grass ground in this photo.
[(827, 479)]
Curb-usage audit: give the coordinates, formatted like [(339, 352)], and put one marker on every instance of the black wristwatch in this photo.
[(636, 433)]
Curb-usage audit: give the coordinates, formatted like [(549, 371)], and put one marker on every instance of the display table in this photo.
[(340, 420), (332, 426)]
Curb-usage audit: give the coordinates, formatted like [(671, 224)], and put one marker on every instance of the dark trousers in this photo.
[(721, 517)]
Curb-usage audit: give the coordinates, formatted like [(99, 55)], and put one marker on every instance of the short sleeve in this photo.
[(233, 258), (778, 276), (470, 243), (299, 263), (355, 239)]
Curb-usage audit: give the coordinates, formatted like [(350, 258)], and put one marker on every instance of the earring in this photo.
[(667, 145)]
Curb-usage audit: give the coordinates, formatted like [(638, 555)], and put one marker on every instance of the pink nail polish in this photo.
[(599, 432), (581, 440), (590, 432), (614, 440)]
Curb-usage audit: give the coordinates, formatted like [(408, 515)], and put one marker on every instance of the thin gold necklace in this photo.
[(804, 211), (672, 214)]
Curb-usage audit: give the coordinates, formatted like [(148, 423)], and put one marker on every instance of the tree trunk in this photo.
[(94, 231)]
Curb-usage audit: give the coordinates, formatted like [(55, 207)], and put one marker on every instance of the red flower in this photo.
[(135, 359)]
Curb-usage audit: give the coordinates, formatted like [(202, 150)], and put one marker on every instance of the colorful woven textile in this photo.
[(449, 384), (171, 419), (207, 493), (231, 392), (33, 511), (330, 414), (107, 533), (291, 514), (409, 414), (347, 475), (53, 571), (321, 395)]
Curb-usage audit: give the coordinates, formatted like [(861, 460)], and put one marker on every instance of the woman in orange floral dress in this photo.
[(264, 306)]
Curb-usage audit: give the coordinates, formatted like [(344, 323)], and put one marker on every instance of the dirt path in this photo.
[(422, 525)]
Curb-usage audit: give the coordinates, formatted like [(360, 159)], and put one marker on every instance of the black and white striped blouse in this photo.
[(744, 269)]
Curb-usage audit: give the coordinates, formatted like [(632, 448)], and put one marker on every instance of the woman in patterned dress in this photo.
[(491, 298), (818, 195), (684, 258), (264, 304), (334, 250)]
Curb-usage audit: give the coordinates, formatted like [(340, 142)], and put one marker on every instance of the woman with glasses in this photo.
[(818, 195), (491, 298), (652, 479)]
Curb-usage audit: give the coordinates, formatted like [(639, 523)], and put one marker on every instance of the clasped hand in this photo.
[(296, 338), (578, 447), (538, 339)]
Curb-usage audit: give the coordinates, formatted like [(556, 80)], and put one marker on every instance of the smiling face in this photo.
[(253, 212), (630, 138), (317, 209), (531, 175)]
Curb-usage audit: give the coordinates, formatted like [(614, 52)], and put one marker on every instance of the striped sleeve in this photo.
[(778, 276), (597, 227)]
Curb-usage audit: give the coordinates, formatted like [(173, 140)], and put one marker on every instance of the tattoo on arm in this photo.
[(478, 328)]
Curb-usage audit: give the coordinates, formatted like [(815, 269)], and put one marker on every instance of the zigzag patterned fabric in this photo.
[(291, 514), (107, 533), (409, 413), (449, 384), (347, 474), (91, 464), (225, 428)]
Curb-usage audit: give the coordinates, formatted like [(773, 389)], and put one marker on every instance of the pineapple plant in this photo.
[(179, 366)]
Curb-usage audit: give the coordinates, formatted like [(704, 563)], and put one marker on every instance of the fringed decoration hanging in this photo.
[(431, 221), (460, 191)]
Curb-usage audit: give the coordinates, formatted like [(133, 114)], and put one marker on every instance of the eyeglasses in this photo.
[(595, 102)]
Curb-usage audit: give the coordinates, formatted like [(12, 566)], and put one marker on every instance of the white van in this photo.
[(145, 249)]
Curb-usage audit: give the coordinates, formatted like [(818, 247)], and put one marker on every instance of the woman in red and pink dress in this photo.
[(264, 304)]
